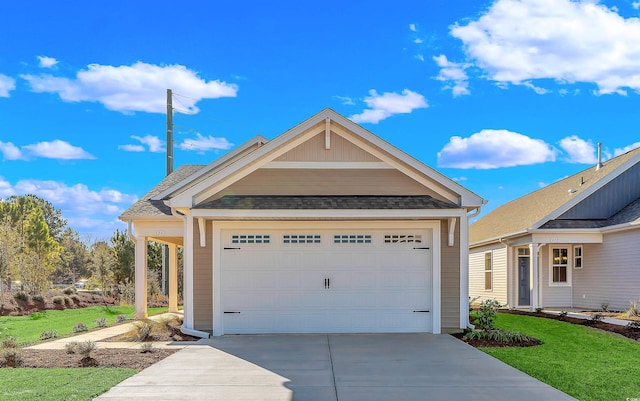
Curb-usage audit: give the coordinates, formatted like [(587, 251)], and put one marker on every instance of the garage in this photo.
[(325, 280)]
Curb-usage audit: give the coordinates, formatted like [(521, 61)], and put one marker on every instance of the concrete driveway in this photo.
[(344, 367)]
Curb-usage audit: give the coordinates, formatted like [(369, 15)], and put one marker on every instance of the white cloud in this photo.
[(542, 184), (453, 74), (579, 150), (412, 27), (201, 144), (154, 144), (636, 5), (489, 149), (389, 104), (516, 41), (7, 84), (139, 87), (47, 62), (621, 151), (57, 149), (458, 179), (10, 151), (420, 57), (345, 100)]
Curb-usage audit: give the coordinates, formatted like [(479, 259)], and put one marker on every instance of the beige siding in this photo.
[(202, 280), (552, 296), (476, 273), (326, 182), (450, 276), (611, 272), (340, 150)]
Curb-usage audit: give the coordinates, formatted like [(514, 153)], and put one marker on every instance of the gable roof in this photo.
[(213, 179), (536, 209)]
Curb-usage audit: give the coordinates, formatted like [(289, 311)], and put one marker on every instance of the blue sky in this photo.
[(503, 96)]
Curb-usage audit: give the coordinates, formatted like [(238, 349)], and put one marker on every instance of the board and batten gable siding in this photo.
[(450, 280), (326, 182), (202, 279), (611, 272), (552, 296), (340, 150), (476, 274)]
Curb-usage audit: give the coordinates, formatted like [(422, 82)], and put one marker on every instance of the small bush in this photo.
[(38, 298), (9, 342), (21, 295), (487, 313), (75, 298), (635, 324), (67, 300), (80, 327), (563, 313), (121, 318), (49, 334), (85, 348), (604, 306), (143, 329), (595, 318), (146, 348), (71, 347), (632, 311), (12, 357), (69, 290), (101, 322), (503, 336), (539, 309), (58, 300)]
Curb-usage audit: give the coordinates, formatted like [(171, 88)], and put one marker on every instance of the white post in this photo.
[(188, 273), (533, 251), (464, 272), (141, 277), (173, 278)]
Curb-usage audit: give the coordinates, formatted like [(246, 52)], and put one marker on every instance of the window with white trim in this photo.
[(300, 239), (577, 257), (488, 271), (559, 265), (250, 239), (402, 238), (352, 239)]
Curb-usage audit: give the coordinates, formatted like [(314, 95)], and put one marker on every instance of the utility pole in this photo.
[(165, 248)]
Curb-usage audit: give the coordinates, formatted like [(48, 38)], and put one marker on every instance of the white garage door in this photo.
[(326, 281)]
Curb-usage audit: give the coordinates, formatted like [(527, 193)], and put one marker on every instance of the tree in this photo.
[(10, 248), (101, 263), (74, 258), (19, 207), (123, 249), (40, 254)]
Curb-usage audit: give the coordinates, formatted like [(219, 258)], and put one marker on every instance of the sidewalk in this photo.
[(99, 335), (579, 315)]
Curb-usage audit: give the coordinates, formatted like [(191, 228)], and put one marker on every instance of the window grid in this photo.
[(402, 238), (560, 262), (250, 239), (352, 239), (488, 271), (300, 239), (577, 257)]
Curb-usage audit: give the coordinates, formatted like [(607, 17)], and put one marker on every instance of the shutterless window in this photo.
[(488, 271), (577, 257), (559, 264)]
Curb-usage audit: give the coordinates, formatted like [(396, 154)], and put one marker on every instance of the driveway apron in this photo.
[(334, 367)]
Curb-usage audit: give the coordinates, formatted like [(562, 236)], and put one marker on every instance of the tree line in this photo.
[(38, 249)]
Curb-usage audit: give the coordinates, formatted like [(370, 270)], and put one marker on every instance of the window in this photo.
[(250, 239), (577, 257), (559, 264), (352, 239), (402, 238), (300, 239), (488, 271)]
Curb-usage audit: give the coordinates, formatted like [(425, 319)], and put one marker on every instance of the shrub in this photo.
[(595, 318), (9, 342), (12, 357), (85, 348), (67, 300), (21, 295), (563, 313), (539, 309), (71, 347), (101, 322), (69, 290), (46, 335), (121, 318), (632, 311), (635, 324), (143, 329), (487, 313), (503, 336), (75, 298), (146, 348), (80, 327), (58, 300), (38, 298), (604, 306)]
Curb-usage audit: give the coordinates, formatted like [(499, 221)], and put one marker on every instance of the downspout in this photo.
[(509, 268), (130, 230), (469, 216)]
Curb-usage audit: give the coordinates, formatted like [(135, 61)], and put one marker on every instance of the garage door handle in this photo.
[(426, 247), (227, 248), (416, 311), (232, 312)]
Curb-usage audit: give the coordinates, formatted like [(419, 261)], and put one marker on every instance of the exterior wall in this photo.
[(476, 273), (202, 280), (611, 272), (326, 182), (450, 279), (314, 150), (553, 296)]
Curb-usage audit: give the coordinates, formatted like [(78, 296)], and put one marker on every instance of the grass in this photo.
[(587, 364), (59, 384), (27, 329)]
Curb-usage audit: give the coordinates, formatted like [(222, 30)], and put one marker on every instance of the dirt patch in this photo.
[(118, 358)]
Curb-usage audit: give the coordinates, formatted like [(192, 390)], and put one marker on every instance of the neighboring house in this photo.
[(326, 228), (572, 244)]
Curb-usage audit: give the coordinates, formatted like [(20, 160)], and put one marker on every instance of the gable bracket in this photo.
[(203, 232), (452, 230), (327, 133)]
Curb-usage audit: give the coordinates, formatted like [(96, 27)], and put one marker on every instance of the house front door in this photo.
[(524, 291)]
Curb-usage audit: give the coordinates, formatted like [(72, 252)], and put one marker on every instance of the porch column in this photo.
[(533, 250), (173, 278), (141, 277)]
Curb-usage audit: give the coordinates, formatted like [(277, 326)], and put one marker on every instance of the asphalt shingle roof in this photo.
[(630, 213), (326, 202)]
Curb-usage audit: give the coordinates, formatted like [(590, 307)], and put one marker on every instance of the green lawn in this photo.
[(27, 329), (587, 364), (59, 384)]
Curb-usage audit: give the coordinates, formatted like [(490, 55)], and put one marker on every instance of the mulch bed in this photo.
[(10, 306), (119, 358), (495, 344)]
